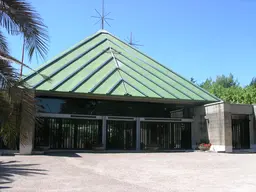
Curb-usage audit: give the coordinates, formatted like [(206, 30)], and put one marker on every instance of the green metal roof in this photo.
[(103, 64)]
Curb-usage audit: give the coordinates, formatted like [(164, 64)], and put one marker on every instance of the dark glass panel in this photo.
[(111, 108), (165, 135), (121, 135), (58, 133), (240, 133)]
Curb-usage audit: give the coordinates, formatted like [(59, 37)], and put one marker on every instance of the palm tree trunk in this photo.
[(22, 57)]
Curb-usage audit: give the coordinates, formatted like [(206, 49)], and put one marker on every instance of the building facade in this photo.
[(104, 94)]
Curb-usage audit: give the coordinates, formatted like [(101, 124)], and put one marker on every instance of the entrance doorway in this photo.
[(166, 135), (240, 132), (121, 135), (64, 133)]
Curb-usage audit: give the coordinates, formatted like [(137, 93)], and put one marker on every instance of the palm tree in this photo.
[(18, 17)]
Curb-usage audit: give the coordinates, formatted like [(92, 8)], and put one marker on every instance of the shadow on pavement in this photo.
[(62, 154), (8, 169), (75, 153)]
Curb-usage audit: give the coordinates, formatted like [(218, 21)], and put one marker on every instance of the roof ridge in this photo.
[(135, 88), (118, 68)]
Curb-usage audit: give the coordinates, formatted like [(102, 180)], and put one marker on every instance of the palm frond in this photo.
[(3, 43), (17, 16), (8, 104), (8, 76), (9, 119), (17, 103), (6, 57)]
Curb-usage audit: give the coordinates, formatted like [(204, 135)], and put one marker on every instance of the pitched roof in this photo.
[(103, 64)]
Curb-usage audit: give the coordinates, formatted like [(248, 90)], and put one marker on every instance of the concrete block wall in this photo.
[(228, 130), (241, 109), (27, 129), (219, 127)]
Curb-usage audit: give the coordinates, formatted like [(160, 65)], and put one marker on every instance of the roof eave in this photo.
[(121, 98)]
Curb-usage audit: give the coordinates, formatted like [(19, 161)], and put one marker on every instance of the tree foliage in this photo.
[(253, 82), (17, 106), (229, 90), (227, 82)]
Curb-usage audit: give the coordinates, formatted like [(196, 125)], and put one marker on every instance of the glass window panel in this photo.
[(112, 108)]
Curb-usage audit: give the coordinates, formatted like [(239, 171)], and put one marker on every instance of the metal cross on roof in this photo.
[(102, 16), (132, 42)]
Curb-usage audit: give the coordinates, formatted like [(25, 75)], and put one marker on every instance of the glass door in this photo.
[(121, 135)]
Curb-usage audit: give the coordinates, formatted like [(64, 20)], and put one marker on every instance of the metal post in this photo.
[(104, 131), (138, 134)]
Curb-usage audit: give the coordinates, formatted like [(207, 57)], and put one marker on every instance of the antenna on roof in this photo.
[(132, 42), (102, 16)]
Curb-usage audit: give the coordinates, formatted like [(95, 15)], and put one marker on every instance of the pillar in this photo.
[(138, 134), (27, 127), (251, 131), (104, 132), (228, 131), (219, 126), (27, 140), (195, 127)]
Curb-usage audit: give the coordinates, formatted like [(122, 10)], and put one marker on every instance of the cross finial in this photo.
[(102, 16), (132, 42)]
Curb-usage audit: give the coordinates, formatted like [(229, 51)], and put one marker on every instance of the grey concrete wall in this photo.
[(240, 109), (228, 130), (216, 125), (219, 124), (27, 128)]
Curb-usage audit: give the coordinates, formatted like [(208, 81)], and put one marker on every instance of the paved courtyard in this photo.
[(129, 172)]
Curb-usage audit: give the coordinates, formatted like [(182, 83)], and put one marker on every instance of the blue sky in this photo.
[(195, 38)]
